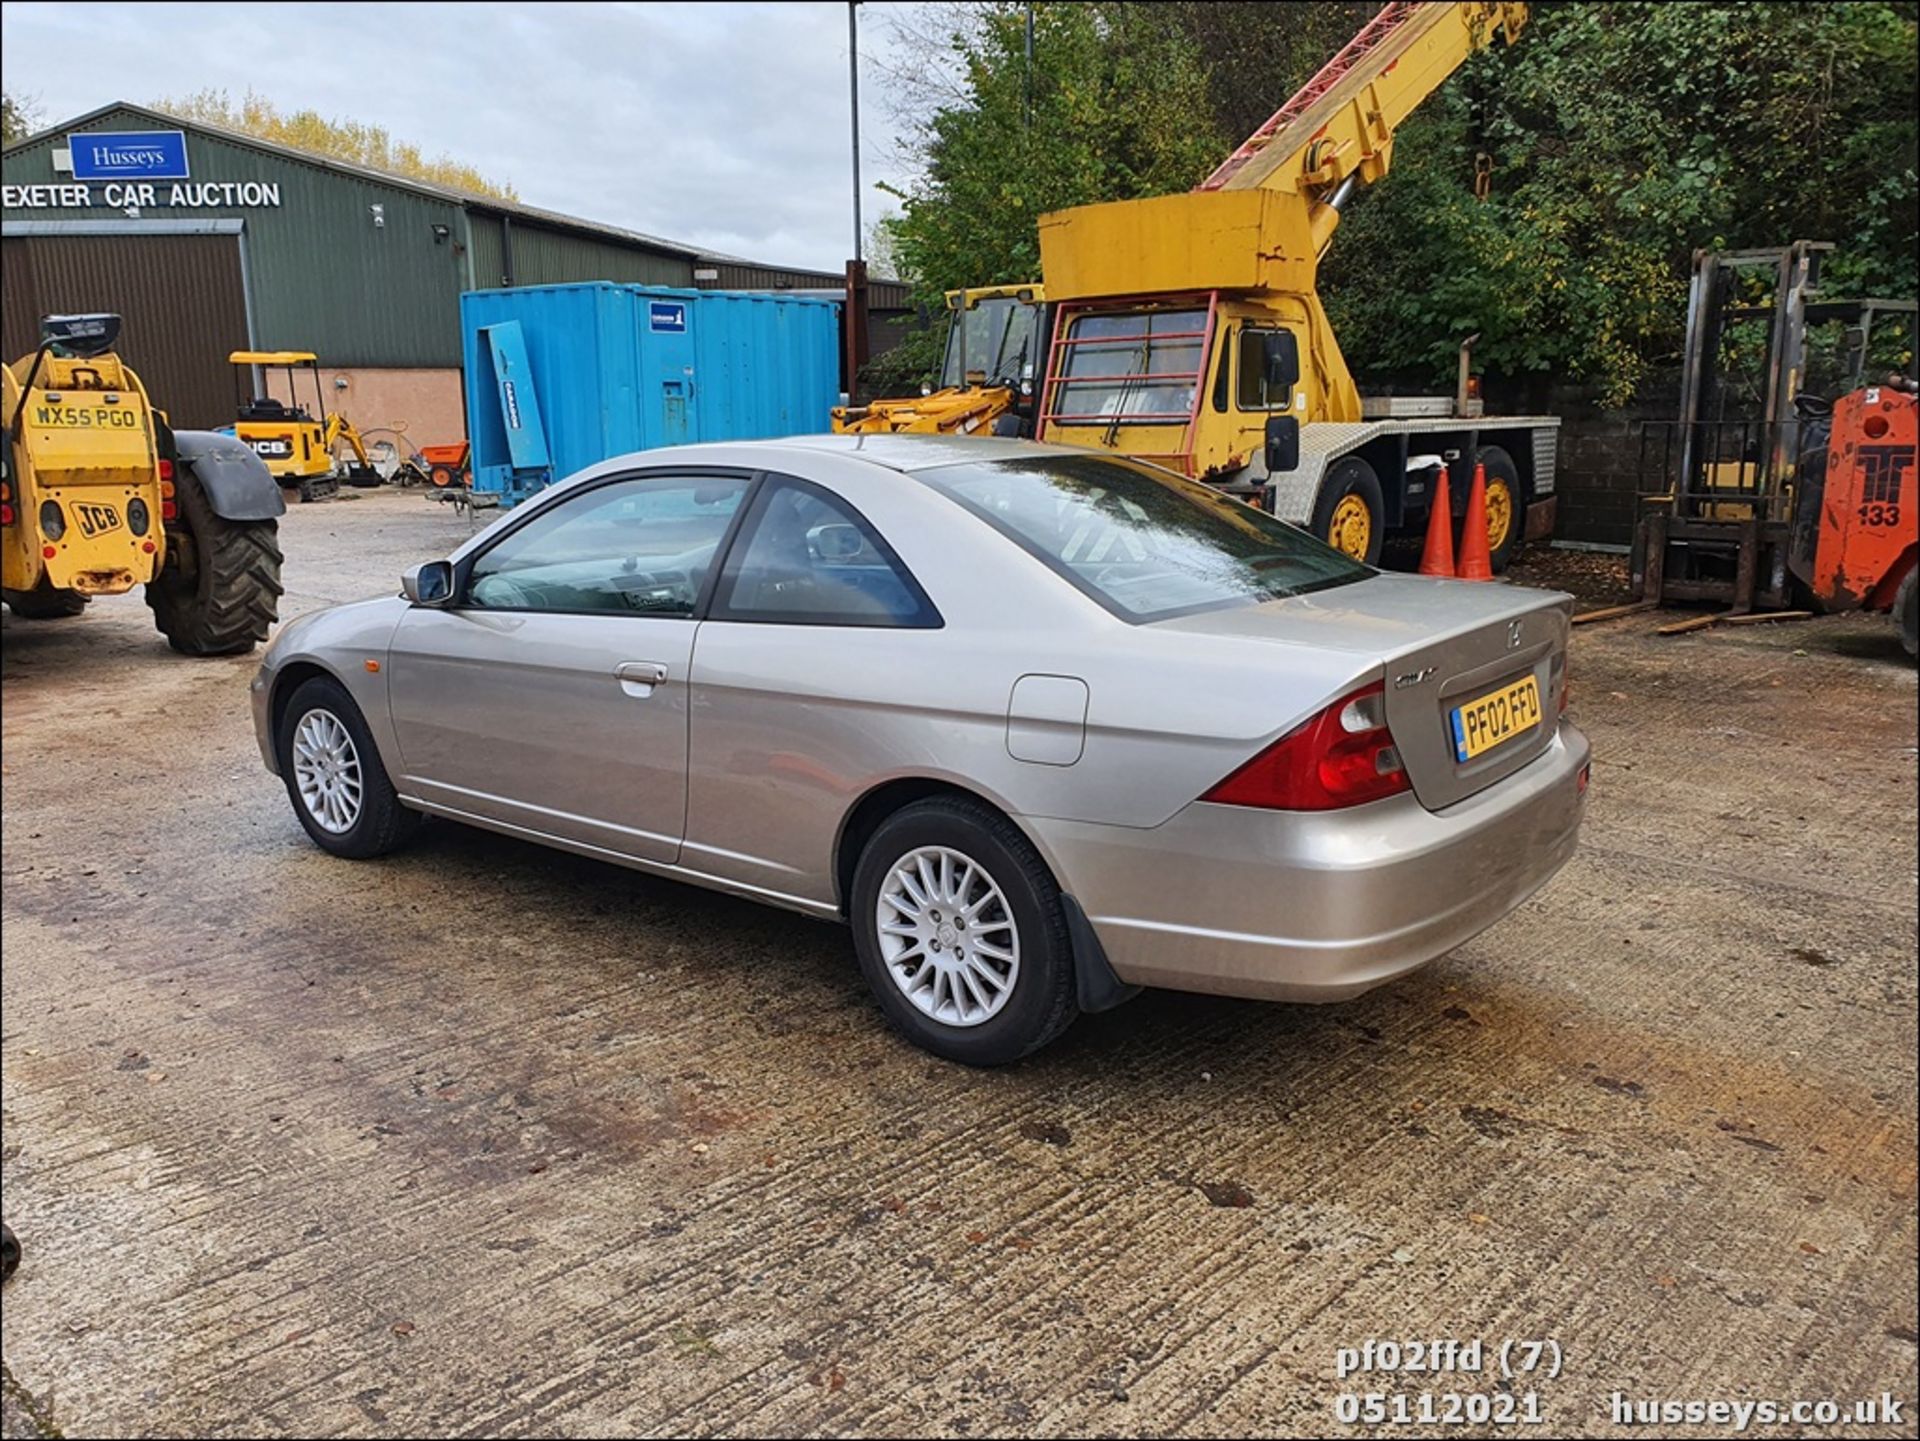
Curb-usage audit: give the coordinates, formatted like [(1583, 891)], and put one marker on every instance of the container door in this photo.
[(666, 347), (519, 407), (673, 412)]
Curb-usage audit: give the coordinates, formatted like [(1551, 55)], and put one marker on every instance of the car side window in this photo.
[(636, 547), (804, 557)]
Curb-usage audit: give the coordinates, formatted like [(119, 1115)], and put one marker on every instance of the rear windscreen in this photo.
[(1145, 543)]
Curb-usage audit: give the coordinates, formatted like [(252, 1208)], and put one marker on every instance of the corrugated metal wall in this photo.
[(324, 276), (179, 297), (546, 255), (768, 365), (890, 295)]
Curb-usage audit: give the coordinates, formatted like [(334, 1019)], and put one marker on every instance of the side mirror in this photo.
[(428, 583), (1283, 361), (1283, 444)]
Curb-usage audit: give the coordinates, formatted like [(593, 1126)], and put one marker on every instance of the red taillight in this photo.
[(166, 468), (6, 514), (169, 510), (1343, 756)]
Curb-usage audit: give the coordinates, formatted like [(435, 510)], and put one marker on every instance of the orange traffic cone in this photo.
[(1476, 561), (1437, 558)]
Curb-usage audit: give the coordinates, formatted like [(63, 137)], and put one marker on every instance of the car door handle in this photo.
[(638, 677)]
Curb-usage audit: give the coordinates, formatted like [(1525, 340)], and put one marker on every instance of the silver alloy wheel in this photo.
[(947, 936), (326, 770)]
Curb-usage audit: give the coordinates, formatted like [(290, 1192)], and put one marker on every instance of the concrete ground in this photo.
[(487, 1138)]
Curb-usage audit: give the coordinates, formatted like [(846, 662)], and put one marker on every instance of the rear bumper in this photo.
[(1302, 906)]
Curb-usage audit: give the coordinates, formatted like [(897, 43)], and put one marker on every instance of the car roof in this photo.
[(895, 452)]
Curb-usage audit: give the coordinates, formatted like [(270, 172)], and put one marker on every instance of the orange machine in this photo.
[(1856, 529)]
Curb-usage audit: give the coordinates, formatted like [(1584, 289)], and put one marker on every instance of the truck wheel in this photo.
[(1906, 611), (220, 590), (45, 602), (1506, 511), (1351, 515)]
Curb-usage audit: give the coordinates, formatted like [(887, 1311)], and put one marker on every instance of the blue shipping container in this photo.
[(559, 377)]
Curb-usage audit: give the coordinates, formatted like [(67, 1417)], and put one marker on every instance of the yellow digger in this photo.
[(300, 447), (98, 494), (995, 345)]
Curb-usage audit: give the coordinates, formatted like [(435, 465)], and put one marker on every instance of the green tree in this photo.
[(348, 140), (1115, 107), (19, 118), (1623, 137)]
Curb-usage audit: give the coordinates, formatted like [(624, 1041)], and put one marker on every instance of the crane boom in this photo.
[(1340, 124)]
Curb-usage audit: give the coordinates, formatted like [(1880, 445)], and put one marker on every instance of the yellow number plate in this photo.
[(85, 417), (1485, 721)]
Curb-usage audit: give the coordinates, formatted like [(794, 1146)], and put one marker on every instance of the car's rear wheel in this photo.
[(960, 932), (339, 789)]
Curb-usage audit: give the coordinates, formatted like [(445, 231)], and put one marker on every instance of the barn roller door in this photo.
[(181, 295)]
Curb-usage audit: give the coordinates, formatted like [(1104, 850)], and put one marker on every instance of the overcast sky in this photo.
[(723, 125)]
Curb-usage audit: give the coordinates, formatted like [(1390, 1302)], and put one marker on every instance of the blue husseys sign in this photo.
[(667, 316), (128, 155)]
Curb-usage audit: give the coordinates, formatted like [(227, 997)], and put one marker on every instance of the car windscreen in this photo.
[(1144, 543)]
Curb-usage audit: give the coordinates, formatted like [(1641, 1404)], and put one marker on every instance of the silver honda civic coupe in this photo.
[(1044, 726)]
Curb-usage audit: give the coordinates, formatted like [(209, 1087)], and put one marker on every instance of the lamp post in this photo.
[(854, 315)]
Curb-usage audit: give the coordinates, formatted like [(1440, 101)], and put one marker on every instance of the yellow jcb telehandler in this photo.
[(996, 341), (98, 494)]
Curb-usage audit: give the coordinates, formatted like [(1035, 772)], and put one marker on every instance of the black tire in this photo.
[(1042, 1002), (1906, 612), (382, 823), (1502, 473), (1350, 475), (9, 1253), (219, 593), (45, 602)]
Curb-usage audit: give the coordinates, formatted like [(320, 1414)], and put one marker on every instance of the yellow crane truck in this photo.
[(1188, 329), (98, 494), (996, 339)]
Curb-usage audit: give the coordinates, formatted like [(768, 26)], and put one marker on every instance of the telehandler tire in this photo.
[(220, 591), (45, 602)]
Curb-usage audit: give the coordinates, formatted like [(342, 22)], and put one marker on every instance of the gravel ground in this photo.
[(487, 1138)]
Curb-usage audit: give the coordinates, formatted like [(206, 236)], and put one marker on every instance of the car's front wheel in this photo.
[(339, 789), (959, 928)]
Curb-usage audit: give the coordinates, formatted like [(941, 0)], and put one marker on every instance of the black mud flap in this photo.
[(1099, 988), (237, 482)]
